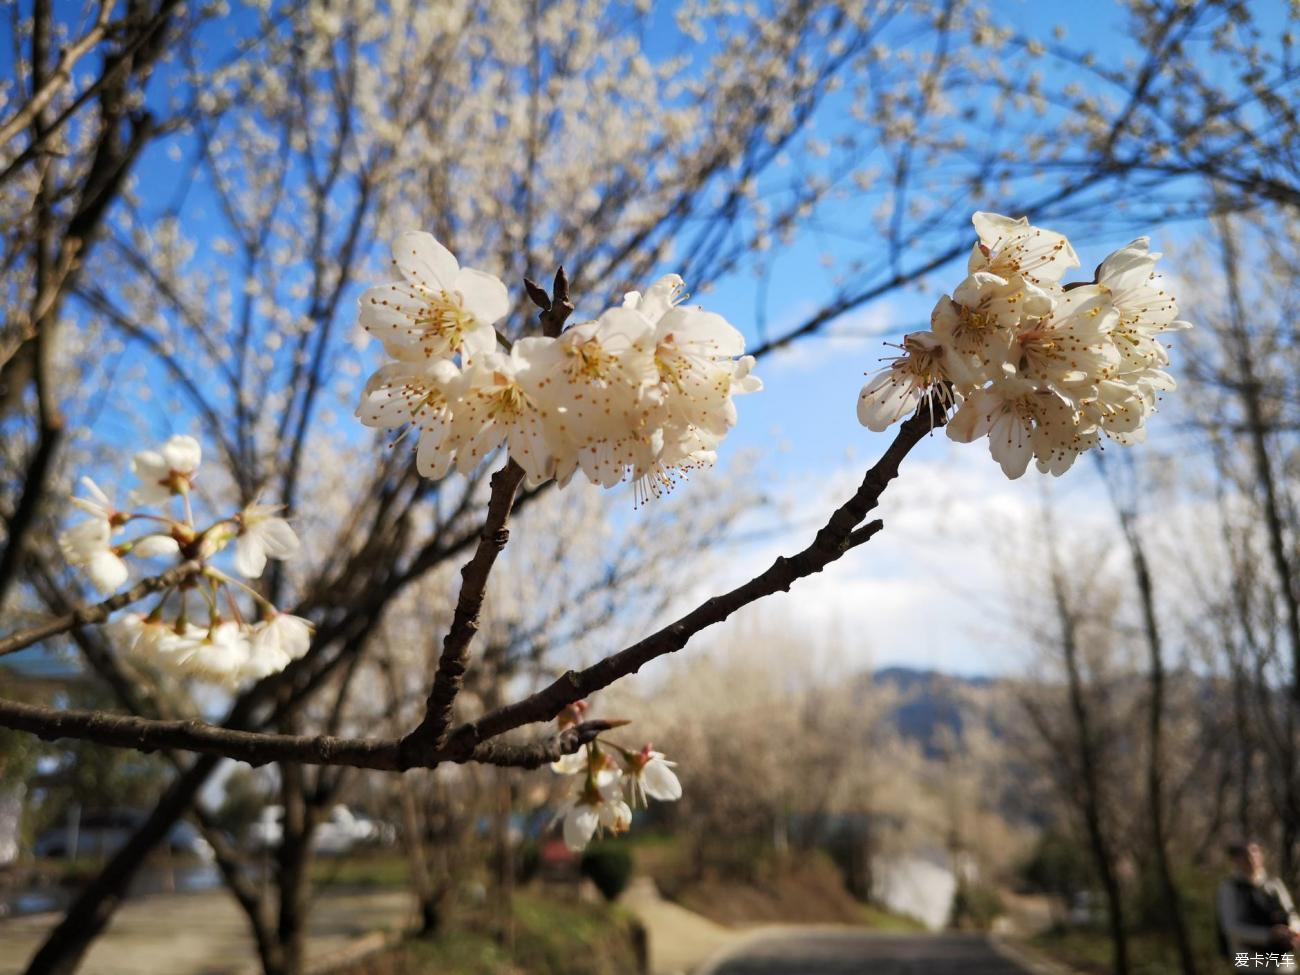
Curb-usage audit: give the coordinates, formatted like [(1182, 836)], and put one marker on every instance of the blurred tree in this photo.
[(244, 795)]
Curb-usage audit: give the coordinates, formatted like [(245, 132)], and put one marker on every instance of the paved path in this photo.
[(204, 933), (831, 951), (678, 939)]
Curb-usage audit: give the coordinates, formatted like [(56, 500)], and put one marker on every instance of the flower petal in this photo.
[(484, 295), (182, 454), (425, 262), (250, 557)]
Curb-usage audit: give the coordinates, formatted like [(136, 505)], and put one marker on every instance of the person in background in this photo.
[(1256, 915)]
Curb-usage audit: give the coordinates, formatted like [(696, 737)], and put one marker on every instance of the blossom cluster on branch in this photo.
[(188, 633), (606, 777), (643, 391), (1042, 369)]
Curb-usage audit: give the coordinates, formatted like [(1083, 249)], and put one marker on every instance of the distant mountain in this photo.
[(931, 702)]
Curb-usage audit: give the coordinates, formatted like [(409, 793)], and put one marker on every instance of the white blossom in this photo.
[(221, 656), (1044, 370), (155, 547), (595, 807), (650, 775), (1012, 248), (98, 505), (700, 367), (1145, 309), (158, 642), (919, 375), (166, 471), (87, 546), (1021, 420), (275, 642), (423, 395), (262, 535), (500, 403), (595, 385), (183, 635), (440, 309), (645, 390), (1072, 344), (977, 326)]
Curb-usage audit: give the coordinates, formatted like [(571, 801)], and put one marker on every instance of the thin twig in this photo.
[(59, 78), (98, 612)]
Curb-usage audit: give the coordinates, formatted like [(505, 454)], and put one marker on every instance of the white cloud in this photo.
[(932, 589)]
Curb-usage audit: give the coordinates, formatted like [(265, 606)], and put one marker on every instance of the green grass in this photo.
[(558, 936), (883, 920), (550, 937), (1149, 954), (1150, 951), (380, 870)]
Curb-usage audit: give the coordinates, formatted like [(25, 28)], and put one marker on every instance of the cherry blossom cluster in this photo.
[(644, 391), (197, 627), (609, 781), (1042, 369)]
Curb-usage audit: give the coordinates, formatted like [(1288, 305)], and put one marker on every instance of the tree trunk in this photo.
[(429, 895), (293, 863), (1090, 801), (1250, 392), (1174, 914)]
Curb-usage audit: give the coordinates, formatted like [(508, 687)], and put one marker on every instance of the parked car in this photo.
[(100, 834), (338, 834)]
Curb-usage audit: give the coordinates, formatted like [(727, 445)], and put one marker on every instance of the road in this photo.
[(207, 934), (839, 952)]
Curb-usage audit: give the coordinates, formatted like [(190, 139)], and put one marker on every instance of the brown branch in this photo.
[(117, 69), (544, 750), (59, 78), (98, 612), (470, 742), (836, 537), (256, 748), (430, 733)]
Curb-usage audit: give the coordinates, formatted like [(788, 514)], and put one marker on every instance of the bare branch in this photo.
[(470, 742), (835, 538), (255, 748), (59, 78), (431, 731), (98, 612)]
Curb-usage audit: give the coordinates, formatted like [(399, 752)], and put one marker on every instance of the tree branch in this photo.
[(470, 741), (255, 748), (430, 733), (59, 78), (836, 537), (98, 612)]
